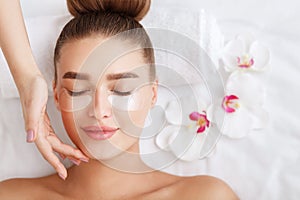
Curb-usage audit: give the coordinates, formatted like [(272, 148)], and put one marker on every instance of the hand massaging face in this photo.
[(104, 94)]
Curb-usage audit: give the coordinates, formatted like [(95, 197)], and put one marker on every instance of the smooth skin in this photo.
[(32, 87), (95, 180), (154, 185)]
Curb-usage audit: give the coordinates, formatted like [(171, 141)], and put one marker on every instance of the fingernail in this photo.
[(62, 176), (74, 161), (84, 160), (30, 136)]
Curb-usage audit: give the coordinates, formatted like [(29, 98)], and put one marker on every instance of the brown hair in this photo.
[(107, 18), (136, 9)]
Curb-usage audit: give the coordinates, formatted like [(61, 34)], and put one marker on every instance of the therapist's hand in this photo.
[(32, 87), (34, 96)]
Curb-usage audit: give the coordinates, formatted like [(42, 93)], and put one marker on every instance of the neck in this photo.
[(124, 175)]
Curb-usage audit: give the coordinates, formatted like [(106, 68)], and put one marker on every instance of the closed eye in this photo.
[(77, 93), (83, 92), (122, 93)]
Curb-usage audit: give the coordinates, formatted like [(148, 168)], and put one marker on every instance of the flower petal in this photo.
[(174, 112), (231, 52), (235, 47), (156, 123), (163, 138), (178, 111), (195, 116), (230, 62), (227, 101), (189, 106), (238, 124), (216, 114), (201, 129), (247, 39), (210, 113), (247, 87), (261, 56), (187, 146)]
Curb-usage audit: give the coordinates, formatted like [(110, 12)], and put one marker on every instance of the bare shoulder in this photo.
[(17, 188), (26, 188), (195, 188), (204, 187)]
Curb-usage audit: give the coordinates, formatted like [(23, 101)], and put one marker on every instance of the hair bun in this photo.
[(136, 9)]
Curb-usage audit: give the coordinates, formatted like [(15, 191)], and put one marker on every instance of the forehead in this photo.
[(94, 57)]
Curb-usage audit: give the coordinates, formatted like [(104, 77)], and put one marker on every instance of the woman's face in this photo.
[(103, 107)]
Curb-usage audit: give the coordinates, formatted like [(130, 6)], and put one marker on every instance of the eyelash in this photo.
[(122, 93), (72, 93)]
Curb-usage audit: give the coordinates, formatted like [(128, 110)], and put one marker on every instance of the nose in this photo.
[(102, 108)]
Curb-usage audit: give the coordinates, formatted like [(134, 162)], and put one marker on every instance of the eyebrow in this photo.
[(82, 76), (75, 75), (121, 76)]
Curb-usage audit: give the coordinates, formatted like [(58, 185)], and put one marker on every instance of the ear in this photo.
[(55, 95), (154, 92)]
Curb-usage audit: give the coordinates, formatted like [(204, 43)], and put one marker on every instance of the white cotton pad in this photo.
[(133, 102), (125, 103)]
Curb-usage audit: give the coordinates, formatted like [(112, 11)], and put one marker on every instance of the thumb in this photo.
[(34, 112), (34, 108)]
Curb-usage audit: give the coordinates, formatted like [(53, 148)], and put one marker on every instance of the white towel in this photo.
[(44, 31)]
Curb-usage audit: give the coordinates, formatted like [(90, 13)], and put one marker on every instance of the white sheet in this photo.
[(265, 165)]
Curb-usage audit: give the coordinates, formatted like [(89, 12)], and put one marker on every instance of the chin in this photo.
[(106, 153)]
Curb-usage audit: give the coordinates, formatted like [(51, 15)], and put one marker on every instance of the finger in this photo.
[(74, 160), (65, 149), (32, 126), (48, 154), (32, 134), (32, 121), (62, 156)]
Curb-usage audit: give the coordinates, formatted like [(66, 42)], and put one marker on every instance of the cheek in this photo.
[(137, 118), (143, 99), (70, 126), (73, 104)]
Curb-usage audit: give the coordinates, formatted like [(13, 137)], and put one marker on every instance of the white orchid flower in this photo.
[(187, 129), (243, 106), (244, 53)]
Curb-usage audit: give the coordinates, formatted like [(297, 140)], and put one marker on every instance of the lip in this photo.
[(99, 132)]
